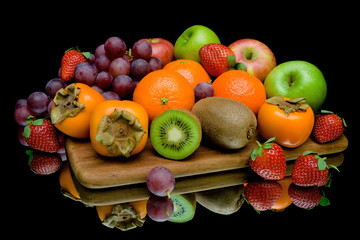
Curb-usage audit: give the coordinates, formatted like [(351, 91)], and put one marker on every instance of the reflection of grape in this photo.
[(159, 209), (142, 49), (160, 181)]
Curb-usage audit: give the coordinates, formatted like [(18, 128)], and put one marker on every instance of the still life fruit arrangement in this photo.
[(180, 96)]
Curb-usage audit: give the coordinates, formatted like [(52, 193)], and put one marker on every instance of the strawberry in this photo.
[(268, 160), (217, 59), (41, 134), (304, 197), (71, 58), (43, 163), (263, 194), (310, 170), (328, 126)]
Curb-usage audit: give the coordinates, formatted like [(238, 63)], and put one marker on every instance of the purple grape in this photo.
[(160, 181), (110, 95), (20, 103), (54, 85), (104, 80), (159, 209), (37, 102), (99, 50), (114, 47), (203, 90), (142, 49), (97, 88), (119, 66), (102, 62), (85, 73), (139, 68), (21, 114), (155, 64), (123, 85)]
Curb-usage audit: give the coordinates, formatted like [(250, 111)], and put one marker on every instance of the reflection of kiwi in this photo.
[(184, 207), (175, 133), (223, 201)]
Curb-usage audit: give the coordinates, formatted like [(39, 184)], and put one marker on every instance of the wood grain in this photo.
[(95, 171)]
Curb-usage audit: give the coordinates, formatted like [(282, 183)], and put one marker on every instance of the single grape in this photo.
[(85, 73), (99, 50), (142, 49), (119, 66), (104, 80), (110, 95), (159, 209), (20, 103), (54, 85), (21, 114), (97, 88), (139, 68), (160, 181), (114, 47), (203, 90), (123, 85), (37, 102), (102, 62), (155, 64)]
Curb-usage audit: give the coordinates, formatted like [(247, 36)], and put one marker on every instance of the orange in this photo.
[(162, 90), (241, 86), (284, 200), (193, 71)]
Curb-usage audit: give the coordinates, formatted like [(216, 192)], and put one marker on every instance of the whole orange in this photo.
[(193, 71), (241, 86), (163, 89)]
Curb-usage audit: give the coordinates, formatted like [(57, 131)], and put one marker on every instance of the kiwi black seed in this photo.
[(175, 134), (184, 207)]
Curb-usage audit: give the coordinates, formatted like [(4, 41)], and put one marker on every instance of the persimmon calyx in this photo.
[(66, 104), (291, 105), (120, 131), (123, 217)]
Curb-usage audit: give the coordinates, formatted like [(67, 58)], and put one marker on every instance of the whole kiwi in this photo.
[(225, 122)]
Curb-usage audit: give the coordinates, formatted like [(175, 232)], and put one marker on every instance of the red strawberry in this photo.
[(71, 58), (310, 170), (262, 195), (328, 126), (268, 160), (217, 59), (43, 163), (304, 197), (41, 134)]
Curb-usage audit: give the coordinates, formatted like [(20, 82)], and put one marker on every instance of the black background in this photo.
[(35, 38)]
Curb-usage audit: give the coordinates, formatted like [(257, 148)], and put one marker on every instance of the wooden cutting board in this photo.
[(95, 171)]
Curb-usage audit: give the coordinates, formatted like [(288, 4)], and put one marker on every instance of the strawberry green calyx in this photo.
[(87, 55), (291, 105), (120, 131), (322, 165), (257, 152), (66, 104)]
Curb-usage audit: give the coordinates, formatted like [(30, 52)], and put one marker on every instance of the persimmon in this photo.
[(284, 200), (119, 128), (72, 108), (289, 120), (67, 185)]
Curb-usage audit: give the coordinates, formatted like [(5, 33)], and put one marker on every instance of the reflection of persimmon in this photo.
[(284, 200)]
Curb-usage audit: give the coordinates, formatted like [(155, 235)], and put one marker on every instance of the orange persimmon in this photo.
[(66, 183), (72, 109), (119, 128), (289, 120)]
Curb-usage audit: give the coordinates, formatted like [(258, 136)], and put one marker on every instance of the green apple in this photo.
[(296, 79), (187, 46)]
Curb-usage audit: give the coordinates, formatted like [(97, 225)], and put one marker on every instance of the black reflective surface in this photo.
[(33, 204)]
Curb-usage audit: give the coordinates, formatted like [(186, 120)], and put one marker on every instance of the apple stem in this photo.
[(186, 37)]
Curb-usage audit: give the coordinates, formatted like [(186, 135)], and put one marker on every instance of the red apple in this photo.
[(162, 49), (257, 57)]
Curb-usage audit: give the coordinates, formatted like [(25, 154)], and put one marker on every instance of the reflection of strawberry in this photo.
[(328, 126), (262, 195), (43, 163), (71, 58), (304, 197)]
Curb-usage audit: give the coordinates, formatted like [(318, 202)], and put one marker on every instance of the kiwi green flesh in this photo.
[(184, 208), (175, 134)]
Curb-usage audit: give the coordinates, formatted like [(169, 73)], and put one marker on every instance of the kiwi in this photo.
[(223, 201), (184, 207), (175, 134), (225, 122)]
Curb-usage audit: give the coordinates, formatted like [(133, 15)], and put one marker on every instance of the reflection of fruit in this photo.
[(241, 86), (184, 207), (225, 122), (257, 57), (43, 163), (328, 127), (67, 184), (188, 44), (161, 48), (268, 160), (287, 119), (164, 89), (191, 70), (118, 128), (225, 201), (284, 200), (175, 134), (297, 79), (159, 209), (304, 197)]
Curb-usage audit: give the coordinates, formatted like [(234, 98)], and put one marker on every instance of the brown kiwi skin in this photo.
[(225, 122)]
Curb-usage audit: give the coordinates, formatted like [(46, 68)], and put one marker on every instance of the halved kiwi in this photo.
[(184, 207), (175, 134)]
